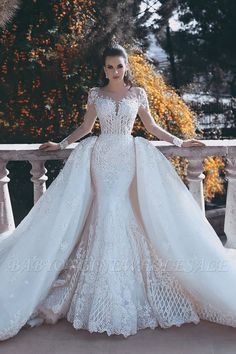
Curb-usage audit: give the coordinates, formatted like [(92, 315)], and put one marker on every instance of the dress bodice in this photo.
[(117, 117)]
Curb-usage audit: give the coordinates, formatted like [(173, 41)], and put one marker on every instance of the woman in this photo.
[(117, 242)]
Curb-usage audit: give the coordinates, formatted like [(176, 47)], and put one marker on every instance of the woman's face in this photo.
[(115, 68)]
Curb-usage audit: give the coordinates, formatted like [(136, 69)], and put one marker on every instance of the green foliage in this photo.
[(204, 44)]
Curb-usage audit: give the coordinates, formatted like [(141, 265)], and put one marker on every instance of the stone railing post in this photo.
[(7, 222), (195, 178), (230, 211), (39, 178)]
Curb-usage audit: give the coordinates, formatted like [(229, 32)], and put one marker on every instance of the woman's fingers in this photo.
[(43, 146), (49, 146), (199, 143), (194, 142)]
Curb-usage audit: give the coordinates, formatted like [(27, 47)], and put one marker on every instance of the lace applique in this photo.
[(115, 116), (177, 141), (130, 284), (107, 171), (92, 94), (143, 100)]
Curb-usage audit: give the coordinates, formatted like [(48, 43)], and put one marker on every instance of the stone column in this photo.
[(230, 211), (195, 178), (7, 223), (39, 178)]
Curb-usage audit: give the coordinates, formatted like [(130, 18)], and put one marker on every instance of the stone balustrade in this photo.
[(195, 175)]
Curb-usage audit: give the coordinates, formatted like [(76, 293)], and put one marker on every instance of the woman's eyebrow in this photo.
[(112, 65)]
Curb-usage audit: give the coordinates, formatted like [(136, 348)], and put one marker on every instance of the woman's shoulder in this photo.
[(92, 94), (139, 89), (140, 92), (94, 89)]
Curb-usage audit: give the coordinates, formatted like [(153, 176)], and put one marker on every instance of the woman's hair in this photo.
[(115, 49)]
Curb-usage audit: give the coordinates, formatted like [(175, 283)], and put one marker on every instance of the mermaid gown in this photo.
[(117, 243)]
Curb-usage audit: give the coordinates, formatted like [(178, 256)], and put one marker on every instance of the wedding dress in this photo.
[(117, 243)]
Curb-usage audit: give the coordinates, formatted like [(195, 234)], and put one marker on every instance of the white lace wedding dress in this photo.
[(117, 242)]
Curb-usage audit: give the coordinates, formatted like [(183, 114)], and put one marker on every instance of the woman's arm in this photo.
[(154, 129), (86, 127), (151, 126)]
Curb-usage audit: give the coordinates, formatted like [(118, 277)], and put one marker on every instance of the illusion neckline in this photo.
[(102, 95), (117, 103)]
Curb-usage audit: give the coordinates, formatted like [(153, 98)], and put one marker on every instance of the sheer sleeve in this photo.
[(143, 100), (92, 94)]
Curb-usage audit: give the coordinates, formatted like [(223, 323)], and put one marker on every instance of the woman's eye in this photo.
[(119, 67)]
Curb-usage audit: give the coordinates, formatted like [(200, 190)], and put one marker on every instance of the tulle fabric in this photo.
[(33, 255), (163, 224)]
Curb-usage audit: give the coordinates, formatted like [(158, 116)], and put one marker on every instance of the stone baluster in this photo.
[(195, 178), (230, 211), (39, 178), (7, 223)]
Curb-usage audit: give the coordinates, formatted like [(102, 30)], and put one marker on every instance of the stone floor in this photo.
[(62, 338)]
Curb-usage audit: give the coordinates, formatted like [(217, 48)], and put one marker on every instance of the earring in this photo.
[(106, 76), (126, 73)]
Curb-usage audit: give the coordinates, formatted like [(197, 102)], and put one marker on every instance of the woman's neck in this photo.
[(116, 86)]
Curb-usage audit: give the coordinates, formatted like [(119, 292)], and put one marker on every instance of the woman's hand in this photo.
[(192, 142), (49, 146)]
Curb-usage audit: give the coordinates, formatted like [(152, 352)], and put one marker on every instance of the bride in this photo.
[(117, 243)]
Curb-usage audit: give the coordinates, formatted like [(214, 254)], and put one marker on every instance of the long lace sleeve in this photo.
[(150, 123), (89, 119), (92, 94), (143, 99)]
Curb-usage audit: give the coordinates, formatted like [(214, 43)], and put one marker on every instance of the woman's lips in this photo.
[(115, 77)]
